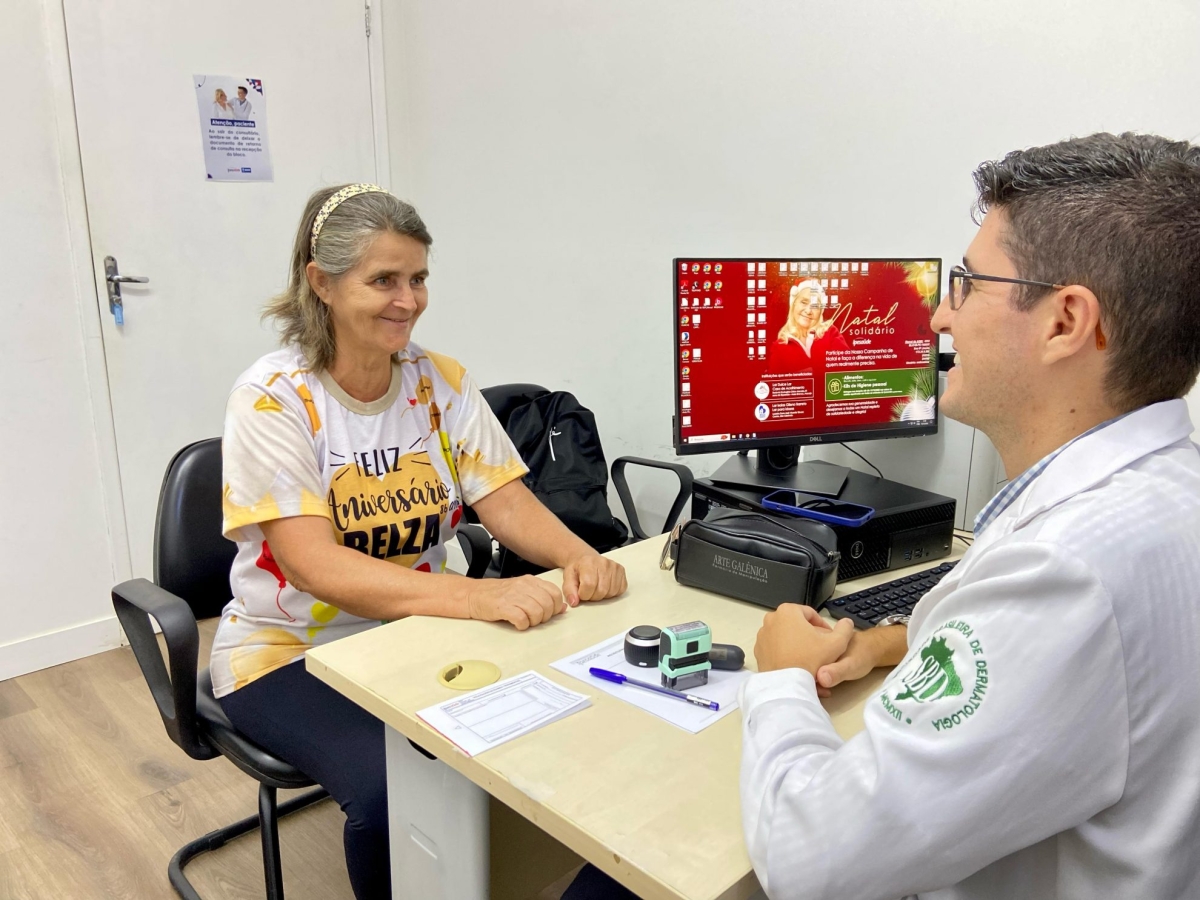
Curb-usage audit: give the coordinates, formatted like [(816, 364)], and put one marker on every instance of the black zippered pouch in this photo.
[(757, 557)]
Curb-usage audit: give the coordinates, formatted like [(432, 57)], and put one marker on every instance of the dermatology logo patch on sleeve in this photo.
[(944, 685)]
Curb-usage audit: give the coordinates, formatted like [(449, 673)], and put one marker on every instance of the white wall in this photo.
[(563, 152), (56, 561)]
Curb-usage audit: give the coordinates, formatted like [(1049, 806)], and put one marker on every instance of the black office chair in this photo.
[(483, 560), (191, 581)]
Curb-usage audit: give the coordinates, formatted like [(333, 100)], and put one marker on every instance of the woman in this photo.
[(805, 337), (222, 108), (348, 456)]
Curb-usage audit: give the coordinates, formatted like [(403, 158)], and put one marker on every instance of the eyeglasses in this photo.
[(959, 278)]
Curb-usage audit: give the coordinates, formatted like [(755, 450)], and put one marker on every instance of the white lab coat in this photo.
[(1072, 769), (241, 108)]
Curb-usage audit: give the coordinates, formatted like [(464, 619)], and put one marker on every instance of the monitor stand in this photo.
[(776, 469)]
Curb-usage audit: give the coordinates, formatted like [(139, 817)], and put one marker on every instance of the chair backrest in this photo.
[(191, 558)]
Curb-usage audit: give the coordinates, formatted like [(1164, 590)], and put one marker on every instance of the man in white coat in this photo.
[(242, 108), (1040, 736)]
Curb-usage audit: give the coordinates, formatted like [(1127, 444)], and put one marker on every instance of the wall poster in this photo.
[(233, 128)]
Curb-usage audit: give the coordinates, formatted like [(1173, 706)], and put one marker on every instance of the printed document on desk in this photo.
[(610, 654), (488, 717)]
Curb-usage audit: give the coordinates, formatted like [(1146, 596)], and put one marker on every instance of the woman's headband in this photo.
[(350, 190)]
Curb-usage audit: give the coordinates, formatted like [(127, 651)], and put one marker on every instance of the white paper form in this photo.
[(610, 654), (502, 711)]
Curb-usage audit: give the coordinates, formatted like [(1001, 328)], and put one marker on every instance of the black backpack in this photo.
[(558, 440)]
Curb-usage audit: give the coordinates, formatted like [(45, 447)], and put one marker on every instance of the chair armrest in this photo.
[(136, 602), (622, 486), (477, 546)]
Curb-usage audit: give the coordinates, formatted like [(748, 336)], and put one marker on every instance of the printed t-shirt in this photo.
[(391, 476)]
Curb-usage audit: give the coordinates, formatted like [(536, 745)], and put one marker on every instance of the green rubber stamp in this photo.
[(683, 655)]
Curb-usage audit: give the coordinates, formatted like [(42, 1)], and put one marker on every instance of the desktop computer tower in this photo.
[(909, 526)]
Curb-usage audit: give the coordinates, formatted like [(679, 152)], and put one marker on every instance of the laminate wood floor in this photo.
[(95, 798)]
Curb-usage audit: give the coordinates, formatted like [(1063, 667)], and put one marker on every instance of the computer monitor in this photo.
[(772, 354)]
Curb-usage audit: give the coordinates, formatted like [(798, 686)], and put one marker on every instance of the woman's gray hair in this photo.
[(302, 317)]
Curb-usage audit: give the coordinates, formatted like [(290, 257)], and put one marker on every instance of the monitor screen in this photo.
[(797, 351)]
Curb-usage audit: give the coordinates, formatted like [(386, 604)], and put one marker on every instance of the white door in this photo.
[(212, 252)]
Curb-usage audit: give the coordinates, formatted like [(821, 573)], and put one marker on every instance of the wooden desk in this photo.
[(655, 807)]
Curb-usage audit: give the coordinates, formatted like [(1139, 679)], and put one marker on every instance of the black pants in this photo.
[(336, 743), (592, 884)]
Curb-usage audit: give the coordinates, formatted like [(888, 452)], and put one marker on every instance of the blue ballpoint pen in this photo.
[(618, 678)]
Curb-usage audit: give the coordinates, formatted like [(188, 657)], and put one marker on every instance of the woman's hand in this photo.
[(592, 577), (524, 601)]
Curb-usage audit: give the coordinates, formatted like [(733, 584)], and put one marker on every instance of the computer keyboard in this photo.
[(868, 606)]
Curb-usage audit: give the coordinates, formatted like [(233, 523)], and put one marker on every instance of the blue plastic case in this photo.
[(832, 512)]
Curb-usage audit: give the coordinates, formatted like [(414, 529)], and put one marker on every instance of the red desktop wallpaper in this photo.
[(772, 348)]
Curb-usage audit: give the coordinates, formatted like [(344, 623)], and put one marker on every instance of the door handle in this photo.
[(113, 280)]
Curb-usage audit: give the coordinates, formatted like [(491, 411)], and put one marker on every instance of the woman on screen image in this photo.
[(806, 336), (222, 108)]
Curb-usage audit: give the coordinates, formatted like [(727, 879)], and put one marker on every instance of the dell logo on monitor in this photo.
[(816, 439)]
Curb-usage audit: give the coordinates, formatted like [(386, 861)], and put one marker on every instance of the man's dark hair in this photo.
[(243, 90), (1120, 215)]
